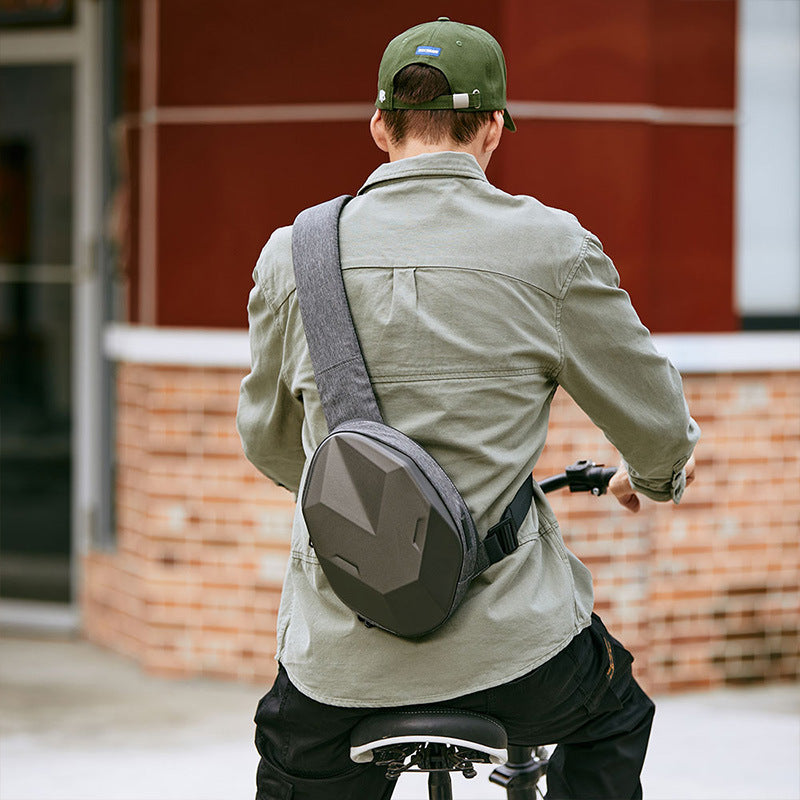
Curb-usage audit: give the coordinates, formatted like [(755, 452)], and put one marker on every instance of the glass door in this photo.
[(50, 304), (36, 276)]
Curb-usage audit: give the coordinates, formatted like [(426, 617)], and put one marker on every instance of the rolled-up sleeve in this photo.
[(611, 368), (269, 418)]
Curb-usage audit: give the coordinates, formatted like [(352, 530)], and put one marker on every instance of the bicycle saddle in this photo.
[(461, 729)]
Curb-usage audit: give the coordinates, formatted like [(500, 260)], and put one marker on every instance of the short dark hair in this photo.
[(420, 83)]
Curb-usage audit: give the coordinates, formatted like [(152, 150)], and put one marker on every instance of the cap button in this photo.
[(443, 19)]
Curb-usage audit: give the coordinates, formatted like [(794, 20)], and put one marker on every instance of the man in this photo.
[(471, 307)]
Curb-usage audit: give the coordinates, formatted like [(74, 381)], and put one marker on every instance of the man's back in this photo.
[(454, 289), (461, 297)]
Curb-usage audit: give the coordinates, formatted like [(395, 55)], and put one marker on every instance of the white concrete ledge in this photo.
[(192, 347), (348, 112), (691, 353), (694, 353), (622, 112)]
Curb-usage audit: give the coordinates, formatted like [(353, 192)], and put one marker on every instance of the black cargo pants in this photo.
[(585, 699)]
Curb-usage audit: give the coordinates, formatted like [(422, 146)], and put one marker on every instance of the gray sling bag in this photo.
[(394, 537)]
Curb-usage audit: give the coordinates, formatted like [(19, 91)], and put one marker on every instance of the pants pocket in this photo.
[(615, 668), (271, 786), (358, 783)]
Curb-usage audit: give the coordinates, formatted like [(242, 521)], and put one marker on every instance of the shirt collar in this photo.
[(450, 164)]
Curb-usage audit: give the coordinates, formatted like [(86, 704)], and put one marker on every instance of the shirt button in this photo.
[(678, 486)]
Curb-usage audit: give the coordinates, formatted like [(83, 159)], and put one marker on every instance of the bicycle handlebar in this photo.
[(582, 476)]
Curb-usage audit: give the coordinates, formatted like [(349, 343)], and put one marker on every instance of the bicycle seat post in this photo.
[(440, 786), (520, 775)]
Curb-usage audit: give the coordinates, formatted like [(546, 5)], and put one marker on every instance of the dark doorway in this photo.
[(36, 256)]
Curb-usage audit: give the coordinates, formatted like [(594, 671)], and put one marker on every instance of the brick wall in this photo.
[(202, 537), (707, 593), (704, 595)]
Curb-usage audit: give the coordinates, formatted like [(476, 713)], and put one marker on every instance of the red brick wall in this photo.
[(194, 584), (704, 595)]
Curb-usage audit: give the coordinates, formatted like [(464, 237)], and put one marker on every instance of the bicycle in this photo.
[(450, 740)]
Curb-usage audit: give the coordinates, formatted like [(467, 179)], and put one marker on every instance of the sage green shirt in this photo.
[(471, 306)]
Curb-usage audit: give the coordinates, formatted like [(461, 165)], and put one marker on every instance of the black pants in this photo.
[(585, 699)]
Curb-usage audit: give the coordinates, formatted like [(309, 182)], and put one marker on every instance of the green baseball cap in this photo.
[(469, 57)]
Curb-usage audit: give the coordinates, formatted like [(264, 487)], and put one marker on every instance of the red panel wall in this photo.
[(659, 197), (127, 162), (314, 51), (669, 52), (691, 274), (599, 171), (578, 51), (694, 53), (224, 188)]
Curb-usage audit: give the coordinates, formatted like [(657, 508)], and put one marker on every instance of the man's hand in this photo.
[(621, 488)]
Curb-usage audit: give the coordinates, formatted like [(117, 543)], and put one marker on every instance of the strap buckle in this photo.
[(501, 539)]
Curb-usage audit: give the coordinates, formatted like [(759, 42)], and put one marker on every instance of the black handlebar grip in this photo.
[(582, 476)]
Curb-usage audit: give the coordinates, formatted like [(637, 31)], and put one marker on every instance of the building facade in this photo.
[(195, 129)]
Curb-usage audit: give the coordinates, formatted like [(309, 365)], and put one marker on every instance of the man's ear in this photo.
[(378, 131), (494, 132)]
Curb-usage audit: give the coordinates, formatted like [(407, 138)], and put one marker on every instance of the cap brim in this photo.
[(508, 122)]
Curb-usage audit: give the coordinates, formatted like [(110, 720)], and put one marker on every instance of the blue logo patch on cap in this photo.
[(425, 50)]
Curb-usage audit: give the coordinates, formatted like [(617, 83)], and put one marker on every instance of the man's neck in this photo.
[(415, 147)]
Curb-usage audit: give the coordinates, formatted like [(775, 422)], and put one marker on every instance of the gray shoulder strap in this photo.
[(339, 369)]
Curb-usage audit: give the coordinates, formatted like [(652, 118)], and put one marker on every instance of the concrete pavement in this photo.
[(79, 723)]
